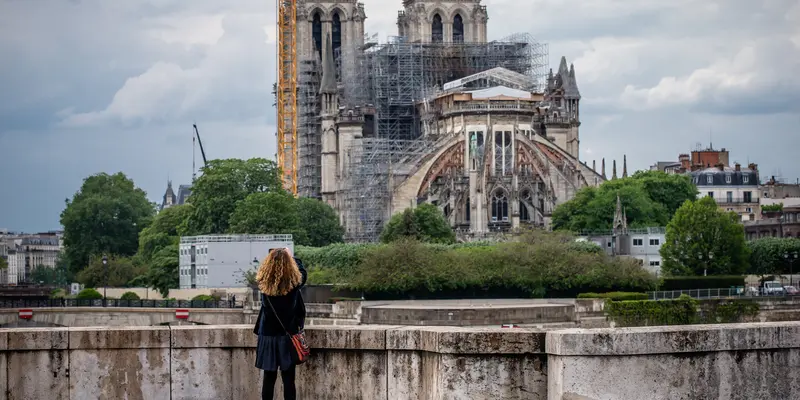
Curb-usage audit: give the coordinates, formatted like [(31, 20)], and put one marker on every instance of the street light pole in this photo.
[(105, 267)]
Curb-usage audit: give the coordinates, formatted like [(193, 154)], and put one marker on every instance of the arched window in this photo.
[(525, 198), (499, 206), (458, 29), (437, 29), (336, 34), (316, 33)]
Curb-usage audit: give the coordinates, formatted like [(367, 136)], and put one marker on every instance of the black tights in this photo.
[(289, 390)]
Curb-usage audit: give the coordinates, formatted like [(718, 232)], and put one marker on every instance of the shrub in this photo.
[(204, 297), (682, 311), (701, 282), (129, 296), (616, 296), (89, 294)]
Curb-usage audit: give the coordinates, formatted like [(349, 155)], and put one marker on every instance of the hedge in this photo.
[(539, 265), (129, 296), (89, 294), (682, 311), (701, 282), (616, 296)]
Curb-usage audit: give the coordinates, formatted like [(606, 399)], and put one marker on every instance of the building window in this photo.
[(745, 179), (728, 178), (711, 194), (748, 197), (336, 34), (437, 30), (655, 263), (458, 29), (637, 242), (710, 179), (729, 197), (655, 242), (316, 32), (499, 207)]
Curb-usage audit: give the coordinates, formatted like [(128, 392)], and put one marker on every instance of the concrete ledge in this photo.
[(674, 339), (37, 339), (153, 337), (455, 340)]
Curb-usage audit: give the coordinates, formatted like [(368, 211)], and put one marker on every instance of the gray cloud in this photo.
[(94, 85)]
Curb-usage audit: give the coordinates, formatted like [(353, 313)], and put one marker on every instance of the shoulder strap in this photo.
[(278, 317)]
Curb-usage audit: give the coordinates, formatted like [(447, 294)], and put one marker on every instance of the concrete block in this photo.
[(38, 374), (114, 373), (3, 376), (504, 377), (211, 336), (344, 375), (456, 340), (674, 339), (37, 339), (361, 337), (246, 380), (201, 374), (142, 337)]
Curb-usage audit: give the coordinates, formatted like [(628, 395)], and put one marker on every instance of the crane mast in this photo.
[(287, 93)]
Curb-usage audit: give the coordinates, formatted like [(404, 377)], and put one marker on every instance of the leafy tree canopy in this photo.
[(3, 263), (768, 256), (222, 185), (320, 222), (162, 274), (266, 213), (650, 198), (121, 270), (425, 223), (104, 217), (701, 237), (45, 275), (165, 230)]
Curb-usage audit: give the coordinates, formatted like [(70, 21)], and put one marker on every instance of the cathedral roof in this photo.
[(500, 91), (497, 76)]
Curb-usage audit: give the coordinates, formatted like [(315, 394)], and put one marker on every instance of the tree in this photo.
[(165, 229), (267, 213), (650, 199), (3, 263), (119, 273), (42, 274), (163, 272), (104, 217), (222, 185), (425, 223), (320, 222), (767, 255), (701, 238)]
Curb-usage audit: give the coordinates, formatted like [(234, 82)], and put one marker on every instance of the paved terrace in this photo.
[(737, 361)]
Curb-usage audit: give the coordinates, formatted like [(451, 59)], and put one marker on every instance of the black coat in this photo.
[(290, 308)]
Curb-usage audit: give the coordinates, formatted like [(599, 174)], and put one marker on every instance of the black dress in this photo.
[(275, 347)]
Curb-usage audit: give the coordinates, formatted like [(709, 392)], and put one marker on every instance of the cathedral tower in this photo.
[(343, 20), (443, 21), (330, 108), (564, 117)]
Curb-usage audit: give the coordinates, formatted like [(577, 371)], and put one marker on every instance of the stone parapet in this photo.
[(401, 362)]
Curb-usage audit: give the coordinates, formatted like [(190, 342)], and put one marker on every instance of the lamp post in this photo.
[(105, 267), (791, 258), (705, 264)]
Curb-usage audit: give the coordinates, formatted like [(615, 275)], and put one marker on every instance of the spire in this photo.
[(620, 224), (328, 85), (604, 168), (562, 68), (625, 166), (614, 170)]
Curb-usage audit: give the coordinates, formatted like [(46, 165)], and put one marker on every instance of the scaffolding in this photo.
[(376, 165), (308, 129)]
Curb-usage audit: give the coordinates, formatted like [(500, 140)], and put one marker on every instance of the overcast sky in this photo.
[(90, 86)]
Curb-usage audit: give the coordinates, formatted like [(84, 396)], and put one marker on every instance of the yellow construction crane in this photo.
[(287, 93)]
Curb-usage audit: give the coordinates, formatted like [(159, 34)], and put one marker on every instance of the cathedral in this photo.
[(483, 129)]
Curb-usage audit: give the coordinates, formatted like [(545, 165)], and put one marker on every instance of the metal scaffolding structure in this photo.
[(376, 166), (308, 129)]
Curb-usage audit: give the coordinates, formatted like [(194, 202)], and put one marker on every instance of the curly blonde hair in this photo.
[(278, 274)]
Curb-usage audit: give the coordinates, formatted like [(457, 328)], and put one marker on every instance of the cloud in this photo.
[(95, 85)]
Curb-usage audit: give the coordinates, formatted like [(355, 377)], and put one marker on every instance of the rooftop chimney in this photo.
[(720, 166), (738, 167), (753, 166)]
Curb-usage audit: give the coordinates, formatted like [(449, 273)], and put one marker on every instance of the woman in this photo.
[(279, 278)]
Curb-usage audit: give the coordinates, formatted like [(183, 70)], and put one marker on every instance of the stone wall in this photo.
[(405, 363)]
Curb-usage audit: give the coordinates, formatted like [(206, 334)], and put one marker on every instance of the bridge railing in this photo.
[(54, 303)]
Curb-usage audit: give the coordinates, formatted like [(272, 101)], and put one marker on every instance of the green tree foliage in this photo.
[(45, 275), (162, 274), (120, 272), (104, 217), (701, 237), (164, 231), (649, 198), (3, 263), (222, 185), (264, 213), (320, 222), (129, 296), (767, 256), (425, 223), (89, 294)]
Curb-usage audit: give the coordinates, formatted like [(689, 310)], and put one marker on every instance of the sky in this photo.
[(90, 86)]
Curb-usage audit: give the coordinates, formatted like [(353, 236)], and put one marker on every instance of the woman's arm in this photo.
[(303, 271)]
